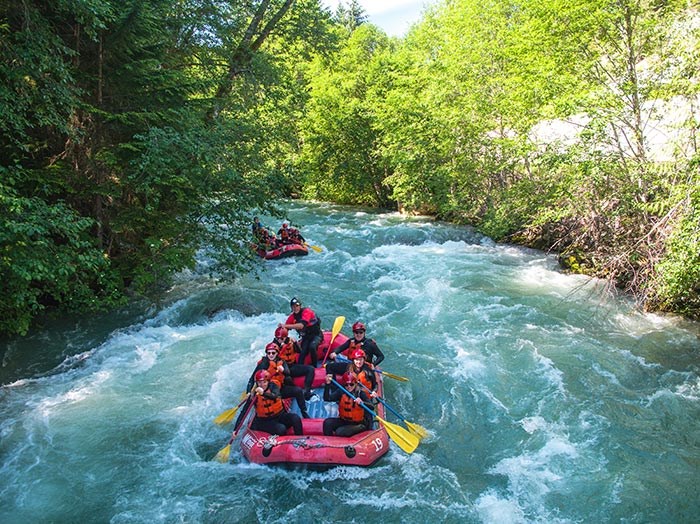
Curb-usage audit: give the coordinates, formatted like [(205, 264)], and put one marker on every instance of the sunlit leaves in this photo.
[(341, 130)]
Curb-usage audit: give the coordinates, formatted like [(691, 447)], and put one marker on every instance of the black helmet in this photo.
[(294, 302)]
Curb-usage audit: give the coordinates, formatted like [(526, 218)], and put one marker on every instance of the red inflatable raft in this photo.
[(283, 251), (313, 448)]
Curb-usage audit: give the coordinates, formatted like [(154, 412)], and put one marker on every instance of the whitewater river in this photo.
[(547, 401)]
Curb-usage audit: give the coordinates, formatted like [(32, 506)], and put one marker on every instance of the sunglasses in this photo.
[(271, 352), (358, 330)]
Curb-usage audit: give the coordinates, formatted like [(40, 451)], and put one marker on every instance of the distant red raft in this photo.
[(313, 448), (283, 251)]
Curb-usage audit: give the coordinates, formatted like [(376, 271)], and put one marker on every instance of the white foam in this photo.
[(532, 475), (689, 390), (493, 509), (532, 424), (638, 359), (146, 357), (81, 391), (549, 370)]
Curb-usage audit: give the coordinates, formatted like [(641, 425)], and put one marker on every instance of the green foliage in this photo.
[(36, 89), (118, 168), (677, 286), (339, 132), (350, 17), (194, 189), (133, 135), (48, 257)]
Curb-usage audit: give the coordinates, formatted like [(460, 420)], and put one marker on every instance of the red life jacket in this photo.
[(348, 410), (353, 346), (294, 234), (287, 352), (268, 407), (361, 376), (309, 319), (366, 382), (275, 375)]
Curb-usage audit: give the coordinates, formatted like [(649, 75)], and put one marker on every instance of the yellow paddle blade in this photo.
[(395, 377), (405, 440), (315, 248), (226, 417), (337, 326), (417, 429), (223, 454)]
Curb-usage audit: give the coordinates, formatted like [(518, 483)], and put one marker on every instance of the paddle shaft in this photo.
[(391, 375), (229, 413), (251, 399), (380, 399), (242, 402)]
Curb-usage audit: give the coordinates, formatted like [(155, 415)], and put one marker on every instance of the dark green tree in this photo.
[(350, 17), (144, 130)]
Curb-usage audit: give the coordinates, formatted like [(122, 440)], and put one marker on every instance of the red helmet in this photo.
[(358, 326), (358, 353), (281, 332), (284, 225), (272, 347), (349, 378), (263, 374)]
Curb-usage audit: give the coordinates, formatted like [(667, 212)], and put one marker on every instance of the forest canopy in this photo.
[(136, 133)]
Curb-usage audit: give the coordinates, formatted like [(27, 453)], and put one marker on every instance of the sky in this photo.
[(393, 16)]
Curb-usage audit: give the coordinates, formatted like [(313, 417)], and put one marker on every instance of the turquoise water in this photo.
[(546, 399)]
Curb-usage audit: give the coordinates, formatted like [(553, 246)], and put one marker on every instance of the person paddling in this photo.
[(359, 367), (290, 235), (270, 414), (283, 234), (352, 417), (295, 236), (280, 374)]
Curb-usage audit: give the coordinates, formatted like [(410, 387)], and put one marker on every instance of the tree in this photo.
[(110, 132), (340, 139), (350, 17)]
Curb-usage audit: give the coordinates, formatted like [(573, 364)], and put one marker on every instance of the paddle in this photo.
[(315, 248), (225, 452), (227, 416), (390, 375), (404, 439), (418, 430), (337, 326)]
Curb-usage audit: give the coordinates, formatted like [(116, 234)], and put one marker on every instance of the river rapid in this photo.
[(546, 399)]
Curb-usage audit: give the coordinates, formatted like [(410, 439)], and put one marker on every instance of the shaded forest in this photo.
[(136, 133)]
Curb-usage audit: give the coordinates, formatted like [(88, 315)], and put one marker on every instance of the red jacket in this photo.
[(306, 316)]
